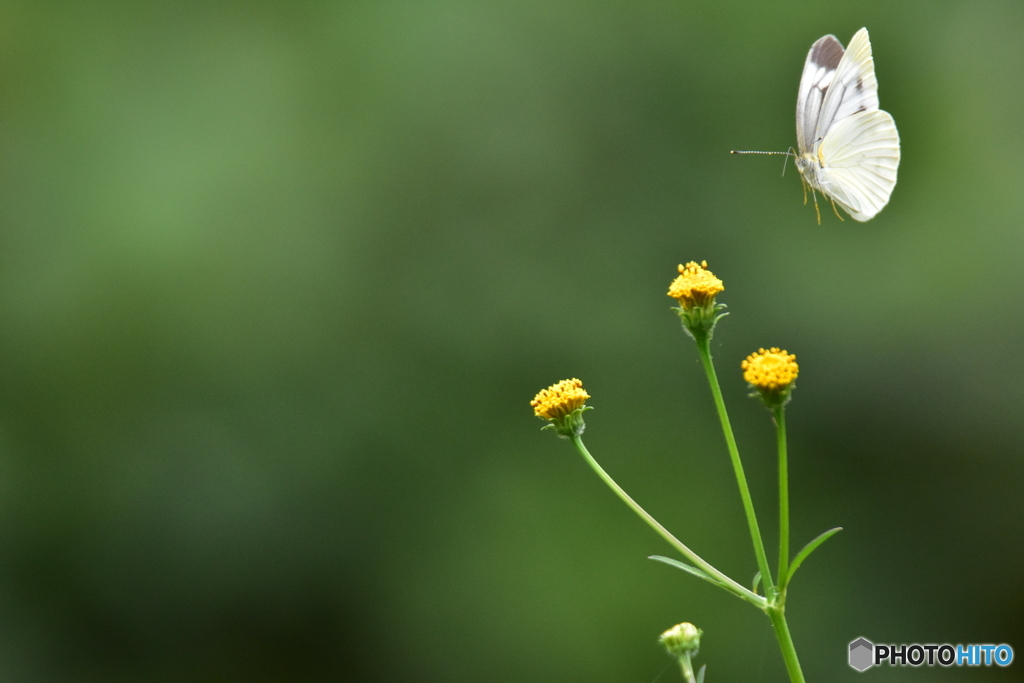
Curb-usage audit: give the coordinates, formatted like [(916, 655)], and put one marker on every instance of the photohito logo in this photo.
[(864, 654)]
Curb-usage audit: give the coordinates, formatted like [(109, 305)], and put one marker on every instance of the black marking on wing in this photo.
[(827, 52), (858, 87)]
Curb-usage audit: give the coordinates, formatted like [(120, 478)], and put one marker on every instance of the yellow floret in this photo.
[(695, 286), (772, 370), (559, 400)]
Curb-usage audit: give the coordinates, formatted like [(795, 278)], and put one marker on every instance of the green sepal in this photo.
[(569, 426), (808, 549), (773, 400), (700, 321)]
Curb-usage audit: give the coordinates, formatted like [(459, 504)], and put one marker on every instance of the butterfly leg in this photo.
[(814, 196), (805, 184), (835, 211)]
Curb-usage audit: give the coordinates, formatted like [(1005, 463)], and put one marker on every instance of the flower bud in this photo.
[(682, 639)]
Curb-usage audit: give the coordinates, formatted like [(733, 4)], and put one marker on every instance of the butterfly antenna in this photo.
[(751, 151), (786, 154)]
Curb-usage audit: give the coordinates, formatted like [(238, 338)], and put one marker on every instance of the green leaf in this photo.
[(700, 674), (757, 582), (807, 550), (700, 573)]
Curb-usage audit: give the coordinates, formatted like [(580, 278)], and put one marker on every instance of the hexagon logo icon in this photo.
[(862, 652)]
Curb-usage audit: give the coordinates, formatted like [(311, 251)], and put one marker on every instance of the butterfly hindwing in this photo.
[(861, 154)]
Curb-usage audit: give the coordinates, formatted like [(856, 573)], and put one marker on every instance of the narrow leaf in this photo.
[(757, 582), (700, 573), (700, 674), (808, 549)]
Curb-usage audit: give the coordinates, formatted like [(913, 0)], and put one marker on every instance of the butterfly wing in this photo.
[(860, 155), (854, 87), (819, 70)]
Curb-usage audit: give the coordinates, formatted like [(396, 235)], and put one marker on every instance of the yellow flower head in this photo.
[(559, 400), (695, 290), (695, 286), (771, 374)]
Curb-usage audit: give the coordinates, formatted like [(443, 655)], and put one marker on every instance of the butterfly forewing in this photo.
[(854, 87), (819, 69)]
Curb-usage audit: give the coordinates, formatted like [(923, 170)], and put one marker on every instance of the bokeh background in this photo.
[(278, 280)]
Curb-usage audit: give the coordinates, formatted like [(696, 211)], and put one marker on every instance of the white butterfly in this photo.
[(849, 149)]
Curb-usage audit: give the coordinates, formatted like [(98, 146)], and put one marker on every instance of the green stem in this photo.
[(687, 666), (780, 430), (703, 346), (778, 617), (724, 580)]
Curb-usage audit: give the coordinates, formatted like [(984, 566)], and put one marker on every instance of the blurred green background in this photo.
[(278, 281)]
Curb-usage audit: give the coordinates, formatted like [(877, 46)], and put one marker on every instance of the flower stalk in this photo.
[(780, 437), (771, 375), (704, 350), (729, 584)]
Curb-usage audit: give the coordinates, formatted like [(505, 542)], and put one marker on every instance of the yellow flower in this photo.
[(695, 286), (563, 405), (771, 374), (695, 290)]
